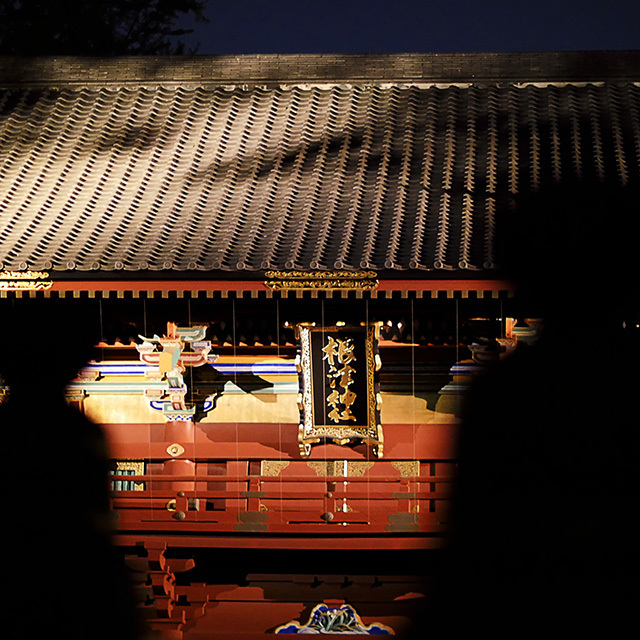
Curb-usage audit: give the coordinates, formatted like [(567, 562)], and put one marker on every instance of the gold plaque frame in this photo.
[(316, 424)]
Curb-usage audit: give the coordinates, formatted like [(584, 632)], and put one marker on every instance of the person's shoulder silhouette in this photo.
[(64, 573)]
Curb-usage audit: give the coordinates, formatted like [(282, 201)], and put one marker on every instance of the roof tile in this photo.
[(207, 175)]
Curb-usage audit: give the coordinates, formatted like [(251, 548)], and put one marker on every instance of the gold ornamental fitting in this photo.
[(25, 281), (315, 280), (175, 450)]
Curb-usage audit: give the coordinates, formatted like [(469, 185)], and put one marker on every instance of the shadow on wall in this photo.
[(62, 573)]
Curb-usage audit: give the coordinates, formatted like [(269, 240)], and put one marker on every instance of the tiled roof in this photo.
[(300, 163)]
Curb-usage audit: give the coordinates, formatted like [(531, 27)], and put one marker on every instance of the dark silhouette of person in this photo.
[(544, 540), (62, 576)]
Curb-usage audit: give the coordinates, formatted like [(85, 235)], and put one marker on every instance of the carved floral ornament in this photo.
[(325, 619)]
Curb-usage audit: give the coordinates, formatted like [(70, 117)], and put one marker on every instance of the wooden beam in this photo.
[(253, 541), (258, 286)]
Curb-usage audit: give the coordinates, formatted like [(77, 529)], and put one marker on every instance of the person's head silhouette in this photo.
[(42, 348)]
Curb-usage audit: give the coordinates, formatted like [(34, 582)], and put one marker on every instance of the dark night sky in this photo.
[(406, 26)]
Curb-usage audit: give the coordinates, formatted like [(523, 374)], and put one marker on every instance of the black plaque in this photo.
[(339, 398)]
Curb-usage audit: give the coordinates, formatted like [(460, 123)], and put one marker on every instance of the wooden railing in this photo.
[(328, 506)]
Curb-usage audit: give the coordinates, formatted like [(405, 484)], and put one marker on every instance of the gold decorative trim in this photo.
[(137, 466), (320, 275), (24, 285), (313, 280), (356, 468), (24, 281), (326, 467), (272, 468), (131, 465), (23, 275), (408, 468)]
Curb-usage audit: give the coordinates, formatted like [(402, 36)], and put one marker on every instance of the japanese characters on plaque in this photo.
[(339, 398)]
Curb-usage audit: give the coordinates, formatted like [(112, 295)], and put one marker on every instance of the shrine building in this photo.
[(288, 268)]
